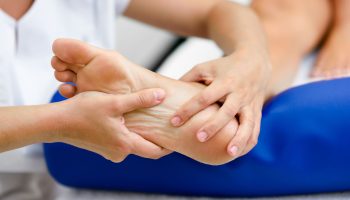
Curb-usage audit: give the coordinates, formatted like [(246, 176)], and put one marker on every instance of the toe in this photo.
[(58, 64), (67, 90), (74, 51), (347, 71), (61, 66), (66, 76), (314, 73), (318, 71)]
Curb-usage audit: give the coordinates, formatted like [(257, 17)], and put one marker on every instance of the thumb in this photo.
[(141, 99)]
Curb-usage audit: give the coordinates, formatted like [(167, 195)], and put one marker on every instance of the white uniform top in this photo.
[(26, 76)]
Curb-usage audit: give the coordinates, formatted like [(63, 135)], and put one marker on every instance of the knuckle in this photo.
[(211, 128), (184, 113), (203, 100), (230, 110), (142, 99), (117, 104)]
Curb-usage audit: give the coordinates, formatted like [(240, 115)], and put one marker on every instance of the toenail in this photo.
[(202, 136), (176, 121), (233, 151)]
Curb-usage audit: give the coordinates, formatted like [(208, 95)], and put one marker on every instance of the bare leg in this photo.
[(106, 71), (334, 59), (293, 28)]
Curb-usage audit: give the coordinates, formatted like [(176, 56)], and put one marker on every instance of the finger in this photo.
[(208, 96), (67, 90), (194, 75), (147, 149), (74, 51), (66, 76), (142, 99), (226, 113), (62, 66), (245, 130), (253, 140)]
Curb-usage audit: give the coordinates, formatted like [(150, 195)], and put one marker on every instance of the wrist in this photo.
[(254, 57), (258, 63), (56, 122)]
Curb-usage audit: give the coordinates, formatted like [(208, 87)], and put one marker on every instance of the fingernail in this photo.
[(159, 95), (202, 136), (176, 121), (233, 151)]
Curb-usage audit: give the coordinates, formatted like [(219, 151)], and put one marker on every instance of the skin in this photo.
[(293, 28), (16, 8), (333, 60), (103, 132), (244, 72), (79, 123), (79, 62)]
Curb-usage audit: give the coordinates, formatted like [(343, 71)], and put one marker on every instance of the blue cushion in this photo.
[(304, 147)]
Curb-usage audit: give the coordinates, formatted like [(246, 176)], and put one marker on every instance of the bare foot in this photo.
[(91, 68), (294, 28), (333, 60)]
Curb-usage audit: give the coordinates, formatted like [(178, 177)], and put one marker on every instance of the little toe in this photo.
[(67, 90), (66, 76)]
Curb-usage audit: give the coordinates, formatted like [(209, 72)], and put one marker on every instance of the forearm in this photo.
[(233, 26), (229, 24), (25, 125)]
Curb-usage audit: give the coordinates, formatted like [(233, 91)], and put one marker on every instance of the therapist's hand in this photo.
[(94, 121), (238, 81)]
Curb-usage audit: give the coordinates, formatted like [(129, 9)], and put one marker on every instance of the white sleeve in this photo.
[(121, 6)]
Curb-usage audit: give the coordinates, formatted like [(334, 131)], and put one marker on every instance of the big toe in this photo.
[(74, 51)]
